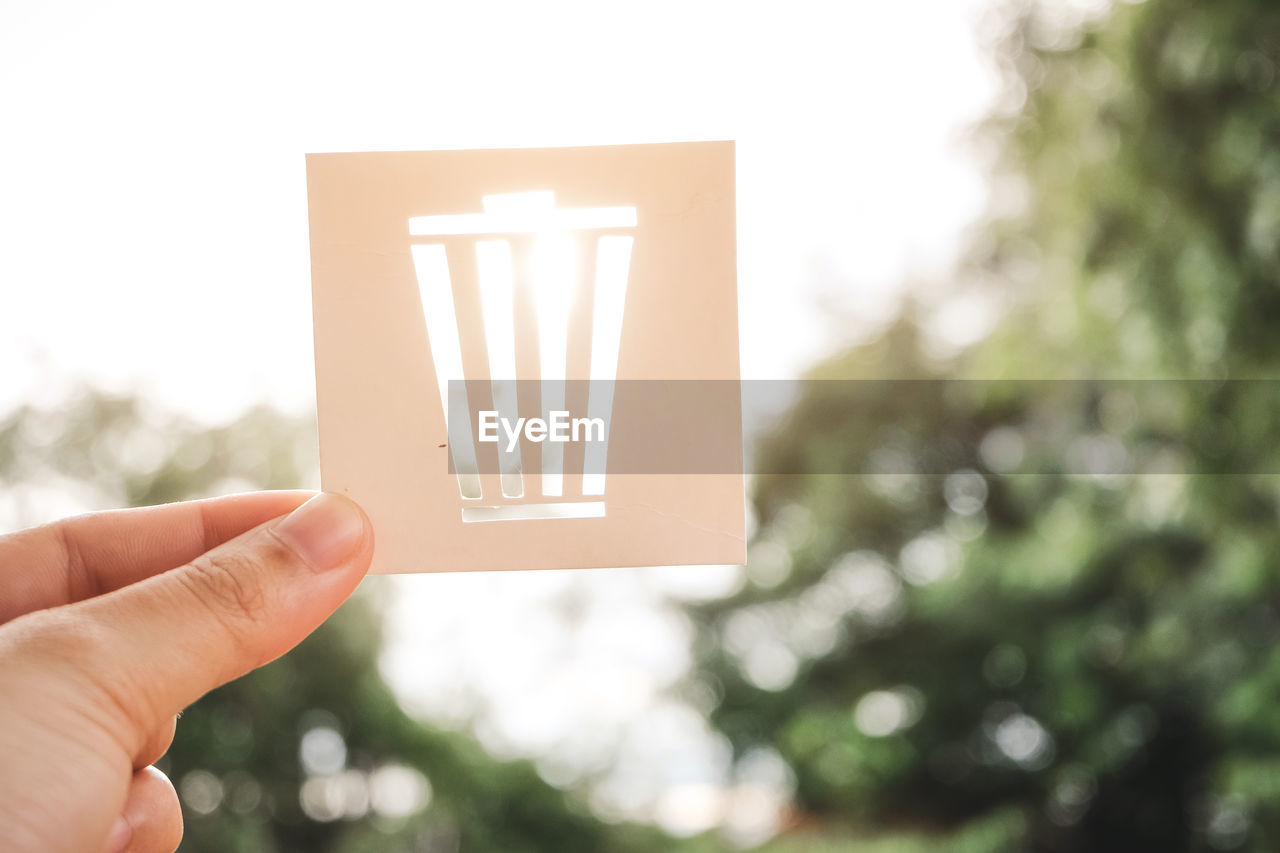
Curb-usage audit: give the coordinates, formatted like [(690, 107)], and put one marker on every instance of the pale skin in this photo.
[(112, 623)]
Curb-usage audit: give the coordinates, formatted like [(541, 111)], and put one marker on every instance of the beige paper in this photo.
[(580, 263)]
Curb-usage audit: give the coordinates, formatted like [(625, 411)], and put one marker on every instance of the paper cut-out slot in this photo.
[(528, 512), (522, 240), (521, 213)]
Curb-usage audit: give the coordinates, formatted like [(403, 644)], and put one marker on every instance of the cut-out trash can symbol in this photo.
[(523, 239)]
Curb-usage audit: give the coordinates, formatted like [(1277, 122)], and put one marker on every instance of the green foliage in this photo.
[(1062, 661)]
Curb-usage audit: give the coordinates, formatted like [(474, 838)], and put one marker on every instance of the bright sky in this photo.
[(152, 188), (153, 213)]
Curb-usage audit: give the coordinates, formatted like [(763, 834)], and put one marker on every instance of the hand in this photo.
[(112, 623)]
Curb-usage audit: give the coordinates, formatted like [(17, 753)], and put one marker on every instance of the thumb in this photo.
[(156, 646)]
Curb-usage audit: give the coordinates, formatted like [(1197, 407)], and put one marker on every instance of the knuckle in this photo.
[(231, 585)]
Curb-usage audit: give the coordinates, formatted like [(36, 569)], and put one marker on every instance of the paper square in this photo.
[(395, 325)]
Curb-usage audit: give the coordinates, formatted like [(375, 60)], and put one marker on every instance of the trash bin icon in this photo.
[(522, 240)]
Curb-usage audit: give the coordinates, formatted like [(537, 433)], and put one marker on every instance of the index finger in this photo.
[(88, 555)]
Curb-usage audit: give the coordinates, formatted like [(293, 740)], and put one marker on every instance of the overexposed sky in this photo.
[(153, 236), (152, 187)]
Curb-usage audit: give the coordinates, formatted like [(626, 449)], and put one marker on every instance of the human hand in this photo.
[(111, 623)]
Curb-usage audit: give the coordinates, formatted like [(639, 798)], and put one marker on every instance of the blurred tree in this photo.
[(310, 753), (990, 660)]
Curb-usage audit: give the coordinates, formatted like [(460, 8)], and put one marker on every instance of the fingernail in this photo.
[(119, 837), (325, 531)]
